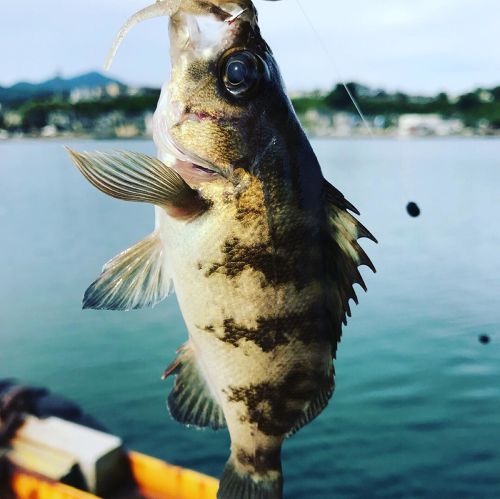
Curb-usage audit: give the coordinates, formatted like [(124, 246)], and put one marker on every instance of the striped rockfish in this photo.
[(261, 250)]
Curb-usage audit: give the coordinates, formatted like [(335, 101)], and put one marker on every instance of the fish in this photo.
[(262, 251)]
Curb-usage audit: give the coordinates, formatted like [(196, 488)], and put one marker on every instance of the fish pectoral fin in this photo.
[(345, 255), (132, 176), (134, 279), (190, 401)]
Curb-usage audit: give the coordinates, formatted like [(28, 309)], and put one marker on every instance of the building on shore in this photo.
[(421, 125)]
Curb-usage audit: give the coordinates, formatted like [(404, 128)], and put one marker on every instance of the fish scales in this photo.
[(262, 252), (254, 346)]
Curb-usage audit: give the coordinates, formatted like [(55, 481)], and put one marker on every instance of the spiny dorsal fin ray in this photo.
[(334, 197), (190, 401), (132, 176), (134, 279), (345, 255)]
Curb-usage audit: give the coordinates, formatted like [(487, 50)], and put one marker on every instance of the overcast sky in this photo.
[(418, 46)]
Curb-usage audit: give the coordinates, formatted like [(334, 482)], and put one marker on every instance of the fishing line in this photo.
[(333, 61), (404, 177)]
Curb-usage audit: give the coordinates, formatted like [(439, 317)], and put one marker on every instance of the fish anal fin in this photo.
[(134, 279), (190, 401), (132, 176)]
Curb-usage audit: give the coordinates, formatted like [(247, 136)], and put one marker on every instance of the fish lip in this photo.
[(195, 174), (198, 116), (203, 169)]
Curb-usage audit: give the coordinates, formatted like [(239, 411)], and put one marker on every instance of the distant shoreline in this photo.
[(94, 107), (318, 137)]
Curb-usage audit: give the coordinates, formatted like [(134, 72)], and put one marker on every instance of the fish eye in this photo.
[(241, 72)]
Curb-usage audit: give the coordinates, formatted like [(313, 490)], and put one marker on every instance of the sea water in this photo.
[(416, 412)]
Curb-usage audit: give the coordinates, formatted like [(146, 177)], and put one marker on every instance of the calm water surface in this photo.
[(417, 407)]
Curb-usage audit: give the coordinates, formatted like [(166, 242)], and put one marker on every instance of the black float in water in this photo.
[(484, 339), (413, 210)]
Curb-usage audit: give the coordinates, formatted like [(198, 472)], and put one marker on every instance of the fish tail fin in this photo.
[(252, 477)]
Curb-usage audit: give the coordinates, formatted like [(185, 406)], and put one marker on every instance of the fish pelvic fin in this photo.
[(132, 176), (136, 278), (344, 257), (190, 402), (252, 476)]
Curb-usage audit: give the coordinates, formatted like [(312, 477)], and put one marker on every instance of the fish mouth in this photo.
[(196, 27), (194, 174), (172, 115), (198, 116), (191, 167)]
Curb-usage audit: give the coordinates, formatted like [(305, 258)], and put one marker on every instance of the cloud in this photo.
[(415, 46)]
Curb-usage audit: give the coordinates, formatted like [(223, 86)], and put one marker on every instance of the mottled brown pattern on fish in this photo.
[(275, 408), (261, 461), (277, 264), (238, 256), (245, 213), (250, 205), (272, 332), (278, 256)]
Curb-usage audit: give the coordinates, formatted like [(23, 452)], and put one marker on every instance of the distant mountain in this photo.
[(24, 90)]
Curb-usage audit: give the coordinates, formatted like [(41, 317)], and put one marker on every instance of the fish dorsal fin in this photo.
[(134, 279), (190, 401), (344, 256), (133, 176)]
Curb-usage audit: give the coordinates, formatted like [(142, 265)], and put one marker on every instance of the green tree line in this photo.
[(472, 107), (481, 105)]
